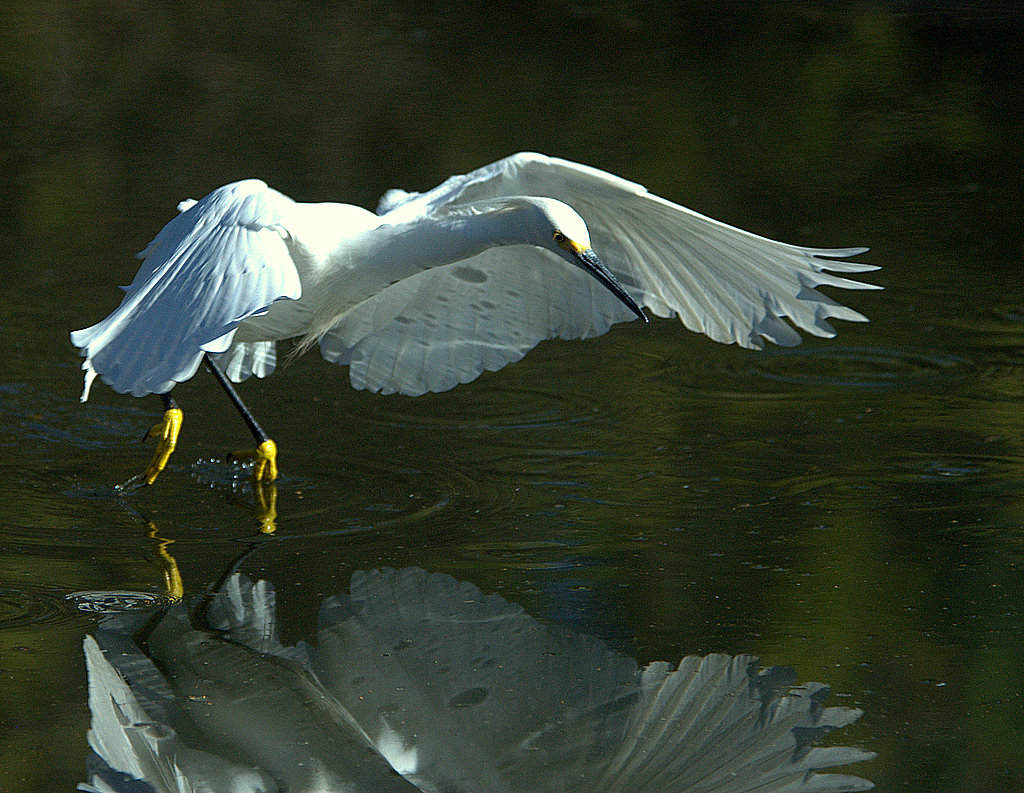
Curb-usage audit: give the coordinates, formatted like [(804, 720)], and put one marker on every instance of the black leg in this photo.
[(246, 414), (265, 454)]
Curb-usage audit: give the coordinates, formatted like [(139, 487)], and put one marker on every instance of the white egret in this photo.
[(437, 287)]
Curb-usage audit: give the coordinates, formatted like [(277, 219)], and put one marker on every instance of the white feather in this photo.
[(222, 260), (449, 283)]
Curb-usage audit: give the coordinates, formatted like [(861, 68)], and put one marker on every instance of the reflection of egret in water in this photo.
[(420, 682)]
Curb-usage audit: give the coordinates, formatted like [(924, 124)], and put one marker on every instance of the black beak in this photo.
[(588, 260)]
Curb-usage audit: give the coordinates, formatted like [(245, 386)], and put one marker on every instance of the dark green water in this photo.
[(851, 507)]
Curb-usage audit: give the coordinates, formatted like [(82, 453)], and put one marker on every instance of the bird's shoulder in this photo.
[(251, 205), (249, 202), (464, 186), (527, 173), (319, 229)]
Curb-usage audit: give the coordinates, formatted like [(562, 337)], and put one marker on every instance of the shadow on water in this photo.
[(417, 681)]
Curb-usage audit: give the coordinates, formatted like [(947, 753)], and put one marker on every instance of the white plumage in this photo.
[(441, 286)]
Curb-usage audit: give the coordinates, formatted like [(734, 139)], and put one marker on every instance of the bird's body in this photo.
[(437, 287)]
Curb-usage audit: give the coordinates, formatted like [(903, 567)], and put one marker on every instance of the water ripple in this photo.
[(996, 469), (31, 605), (527, 554), (116, 601), (1012, 314), (974, 480), (869, 368), (379, 494), (491, 409), (41, 416)]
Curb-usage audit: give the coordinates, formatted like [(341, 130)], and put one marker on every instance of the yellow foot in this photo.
[(166, 432), (264, 459)]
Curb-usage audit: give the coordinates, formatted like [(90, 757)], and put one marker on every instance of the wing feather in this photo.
[(246, 358), (223, 259), (734, 286), (435, 330), (735, 280)]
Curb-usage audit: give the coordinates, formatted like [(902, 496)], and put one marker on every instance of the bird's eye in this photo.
[(559, 237)]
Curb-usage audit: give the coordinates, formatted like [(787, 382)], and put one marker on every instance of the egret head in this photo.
[(563, 231)]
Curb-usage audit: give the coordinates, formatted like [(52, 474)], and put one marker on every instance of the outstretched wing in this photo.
[(729, 284), (440, 328), (222, 260)]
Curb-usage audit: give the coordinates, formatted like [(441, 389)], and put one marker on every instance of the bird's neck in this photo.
[(406, 248), (392, 252)]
